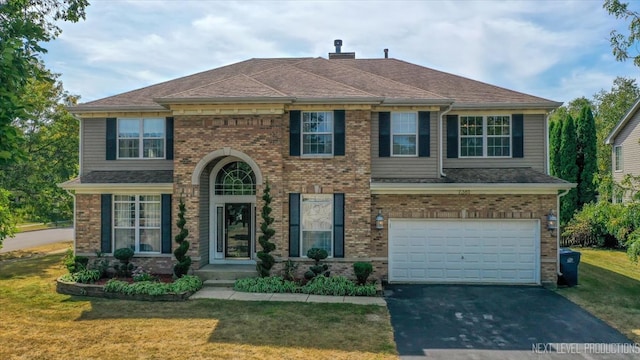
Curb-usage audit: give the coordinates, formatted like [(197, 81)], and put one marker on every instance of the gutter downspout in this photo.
[(440, 156), (558, 233), (73, 195)]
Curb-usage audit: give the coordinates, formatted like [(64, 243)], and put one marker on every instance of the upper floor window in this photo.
[(141, 138), (404, 134), (317, 133), (485, 136), (618, 157)]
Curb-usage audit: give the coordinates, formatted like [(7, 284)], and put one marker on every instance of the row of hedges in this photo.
[(320, 285), (605, 225)]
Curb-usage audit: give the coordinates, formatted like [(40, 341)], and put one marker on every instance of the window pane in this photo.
[(125, 238), (403, 123), (150, 214), (125, 214), (317, 212), (498, 146), (317, 144), (404, 145), (317, 133), (316, 239), (471, 146), (128, 128), (150, 240), (153, 128), (128, 148), (153, 148)]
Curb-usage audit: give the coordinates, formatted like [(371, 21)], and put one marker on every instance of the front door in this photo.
[(237, 230)]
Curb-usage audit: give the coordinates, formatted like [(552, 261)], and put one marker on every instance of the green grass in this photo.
[(609, 288), (41, 324), (25, 227)]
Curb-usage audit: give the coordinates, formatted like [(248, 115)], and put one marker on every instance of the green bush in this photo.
[(317, 254), (125, 267), (273, 284), (290, 269), (362, 271), (74, 263), (83, 276), (154, 288)]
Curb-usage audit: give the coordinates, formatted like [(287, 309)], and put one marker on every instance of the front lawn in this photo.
[(38, 323), (609, 288)]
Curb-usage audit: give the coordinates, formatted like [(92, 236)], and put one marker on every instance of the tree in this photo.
[(555, 137), (586, 156), (622, 43), (569, 169), (24, 26), (266, 259), (184, 262), (7, 225)]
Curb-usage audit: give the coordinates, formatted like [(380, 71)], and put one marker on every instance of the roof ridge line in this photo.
[(331, 80), (265, 85)]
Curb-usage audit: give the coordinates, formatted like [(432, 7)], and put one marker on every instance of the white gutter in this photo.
[(74, 217), (558, 233), (440, 126)]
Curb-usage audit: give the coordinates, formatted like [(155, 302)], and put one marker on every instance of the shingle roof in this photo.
[(127, 177), (299, 79), (523, 175)]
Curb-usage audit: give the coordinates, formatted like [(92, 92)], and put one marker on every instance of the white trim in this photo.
[(227, 151), (467, 189), (122, 188), (415, 133)]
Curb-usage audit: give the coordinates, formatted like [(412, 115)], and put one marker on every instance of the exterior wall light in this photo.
[(552, 222), (379, 220)]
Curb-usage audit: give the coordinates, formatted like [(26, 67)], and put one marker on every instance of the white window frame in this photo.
[(485, 136), (137, 228), (618, 163), (141, 139), (303, 253), (415, 133), (329, 115)]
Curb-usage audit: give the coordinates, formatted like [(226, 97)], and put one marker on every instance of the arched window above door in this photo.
[(235, 178)]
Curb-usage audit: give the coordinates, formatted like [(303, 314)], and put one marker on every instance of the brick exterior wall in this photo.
[(471, 207)]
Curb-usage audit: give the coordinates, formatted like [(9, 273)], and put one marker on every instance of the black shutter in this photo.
[(169, 140), (452, 136), (166, 223), (112, 131), (294, 132), (105, 223), (294, 225), (338, 132), (424, 133), (384, 134), (517, 128), (338, 225)]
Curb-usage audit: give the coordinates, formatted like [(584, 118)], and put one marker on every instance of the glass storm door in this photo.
[(237, 230)]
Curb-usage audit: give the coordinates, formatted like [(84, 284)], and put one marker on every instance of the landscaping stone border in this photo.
[(78, 289)]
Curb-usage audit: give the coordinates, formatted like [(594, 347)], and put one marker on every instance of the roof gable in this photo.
[(622, 123)]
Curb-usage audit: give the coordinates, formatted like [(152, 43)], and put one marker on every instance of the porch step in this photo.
[(219, 283), (226, 272)]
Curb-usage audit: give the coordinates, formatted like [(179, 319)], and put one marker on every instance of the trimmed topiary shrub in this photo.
[(317, 254), (184, 262), (362, 271), (266, 259), (125, 267)]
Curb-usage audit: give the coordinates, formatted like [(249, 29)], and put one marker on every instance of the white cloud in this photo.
[(522, 45)]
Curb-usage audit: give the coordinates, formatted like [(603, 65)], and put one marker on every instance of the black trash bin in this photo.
[(569, 261)]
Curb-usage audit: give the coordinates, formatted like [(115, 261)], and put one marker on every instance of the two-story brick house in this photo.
[(456, 168)]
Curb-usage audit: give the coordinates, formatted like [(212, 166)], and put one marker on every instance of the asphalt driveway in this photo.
[(498, 322)]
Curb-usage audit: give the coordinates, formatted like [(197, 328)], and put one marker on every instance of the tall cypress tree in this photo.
[(586, 152), (568, 168), (555, 138)]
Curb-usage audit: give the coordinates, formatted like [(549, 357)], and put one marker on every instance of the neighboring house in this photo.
[(625, 154), (456, 168)]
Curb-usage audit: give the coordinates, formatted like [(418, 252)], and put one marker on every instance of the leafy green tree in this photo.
[(623, 43), (7, 225), (184, 261), (555, 137), (50, 141), (586, 156), (569, 168)]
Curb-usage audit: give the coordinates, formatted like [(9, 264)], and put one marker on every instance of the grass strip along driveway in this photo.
[(38, 323), (609, 288)]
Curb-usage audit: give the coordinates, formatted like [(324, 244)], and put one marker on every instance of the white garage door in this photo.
[(464, 251)]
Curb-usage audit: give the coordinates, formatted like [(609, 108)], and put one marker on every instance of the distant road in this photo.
[(36, 238)]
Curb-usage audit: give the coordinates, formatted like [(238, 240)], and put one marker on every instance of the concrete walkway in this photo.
[(230, 294)]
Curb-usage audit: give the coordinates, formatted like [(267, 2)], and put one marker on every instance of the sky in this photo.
[(557, 50)]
